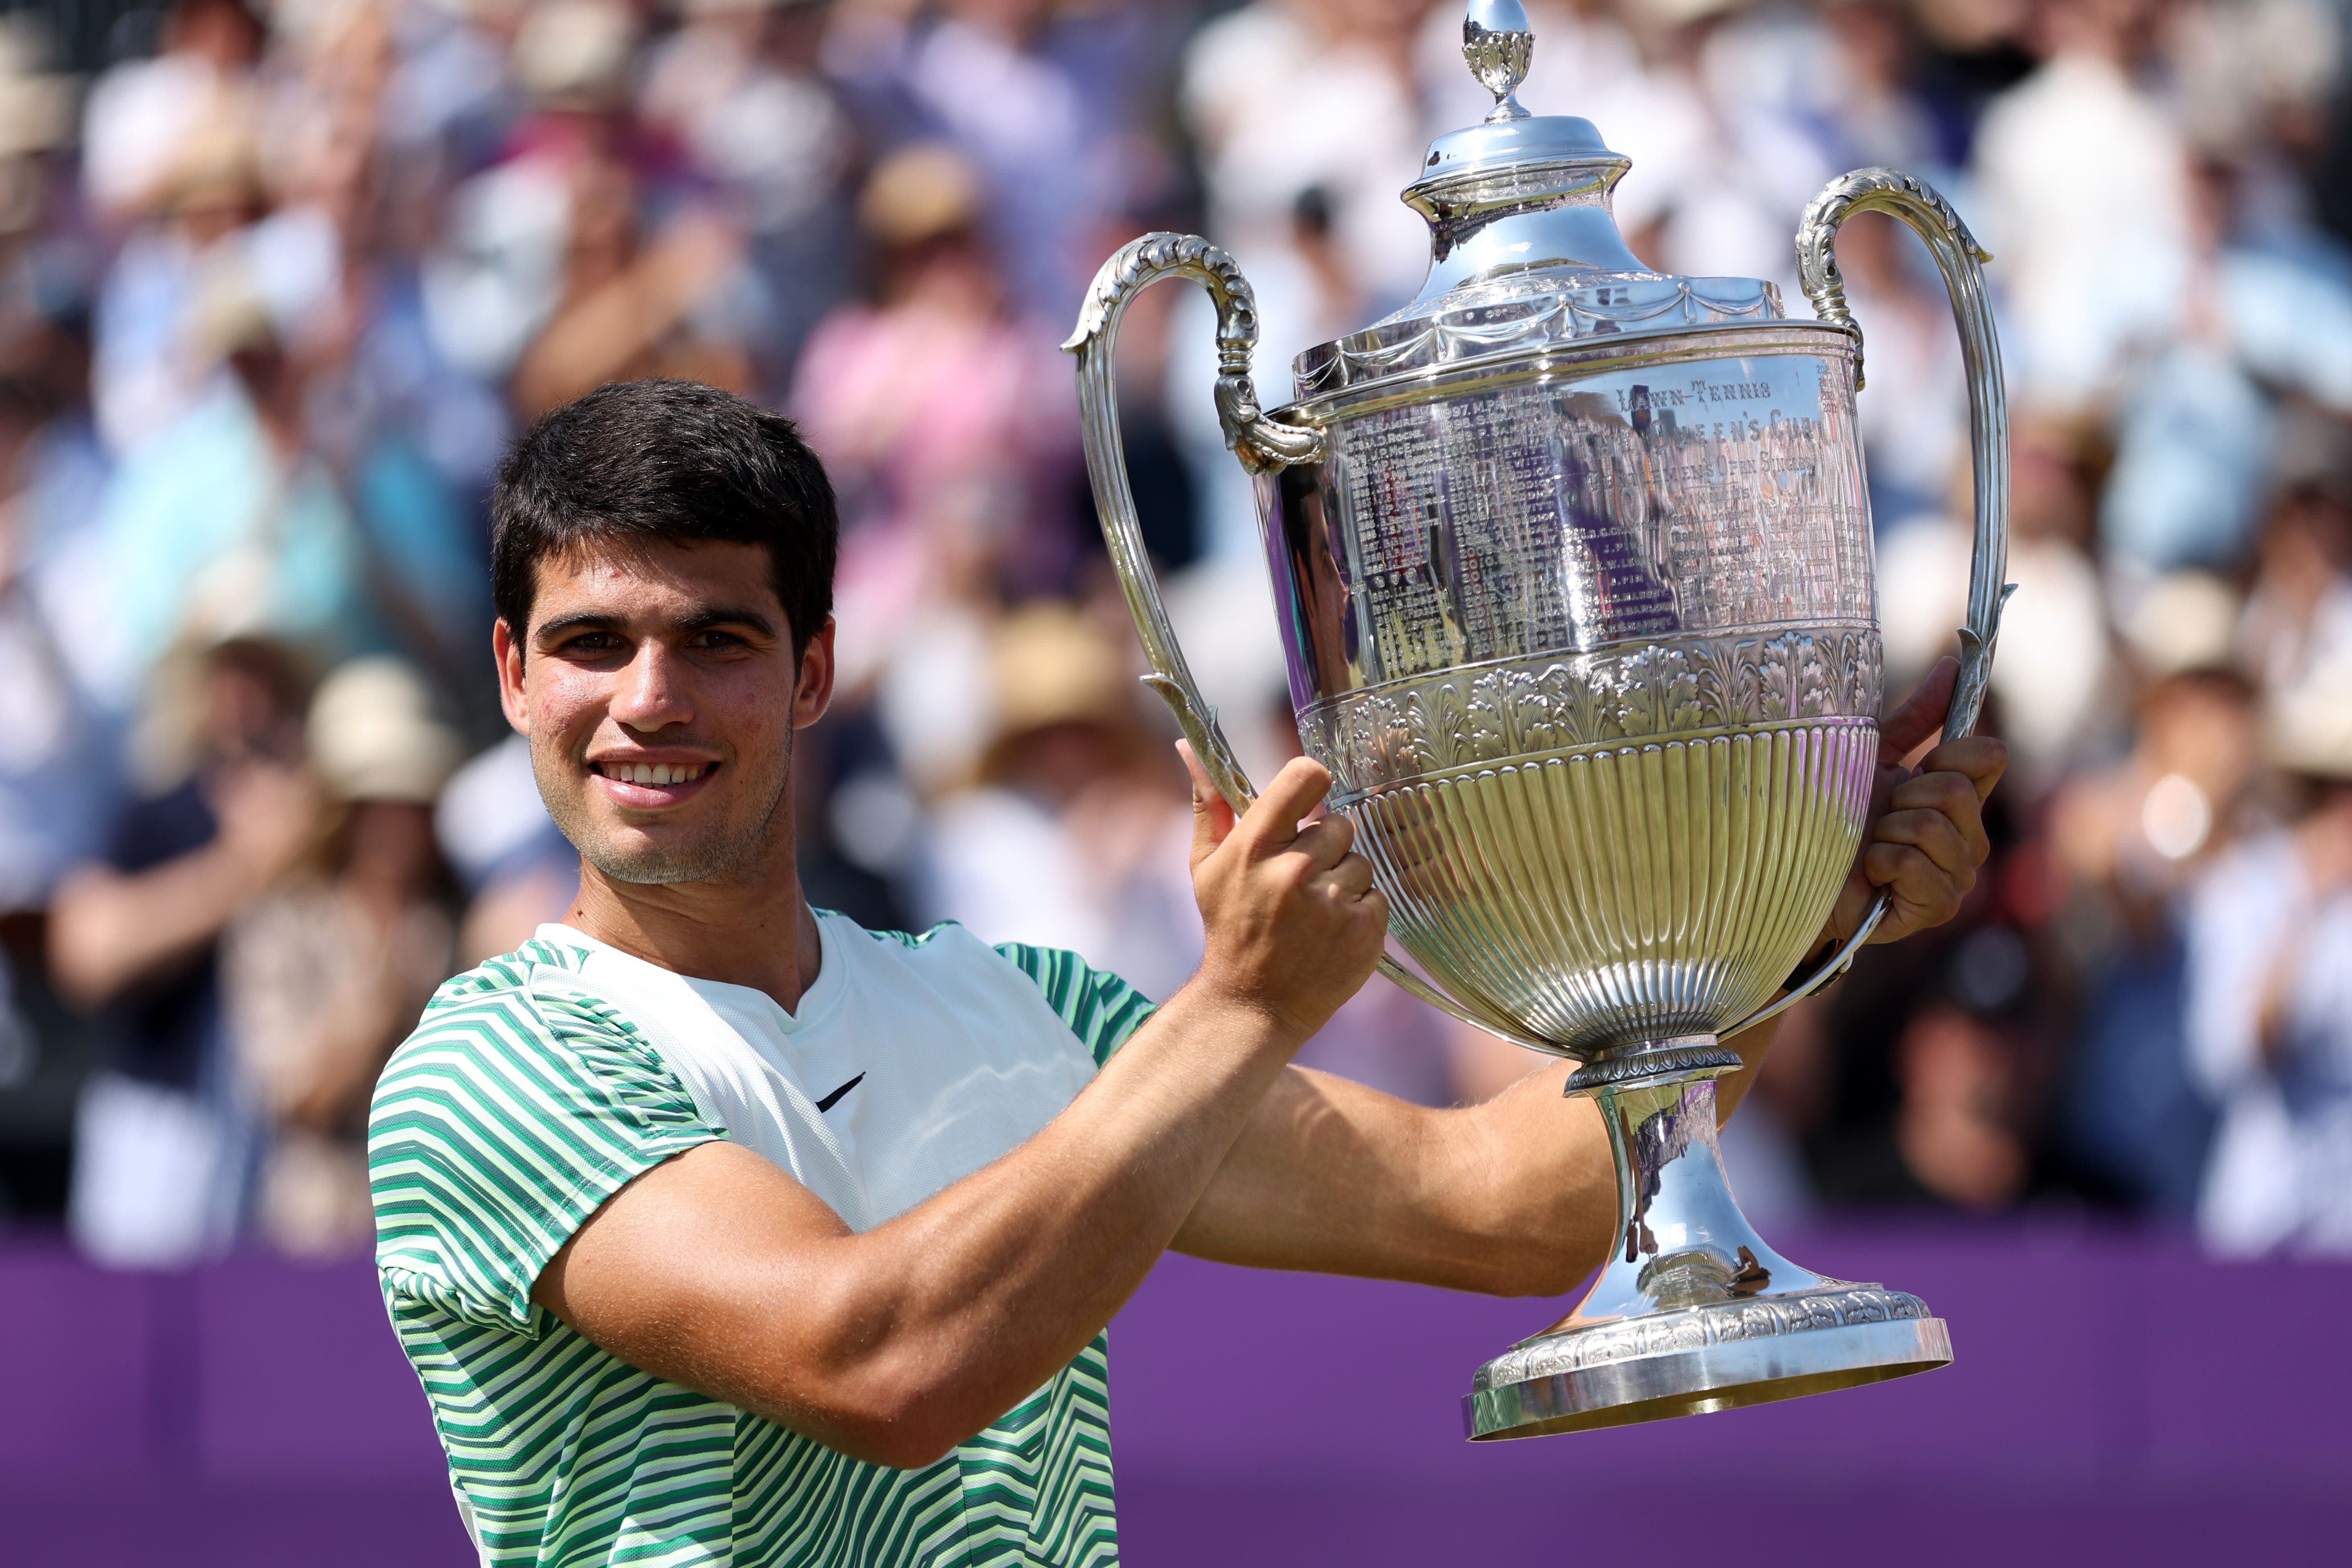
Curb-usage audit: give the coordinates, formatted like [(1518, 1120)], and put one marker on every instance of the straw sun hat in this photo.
[(1052, 668), (373, 736)]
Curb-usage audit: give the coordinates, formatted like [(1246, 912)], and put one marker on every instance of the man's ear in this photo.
[(813, 688), (507, 650)]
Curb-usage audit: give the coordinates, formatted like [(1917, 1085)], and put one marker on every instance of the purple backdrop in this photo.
[(2115, 1398)]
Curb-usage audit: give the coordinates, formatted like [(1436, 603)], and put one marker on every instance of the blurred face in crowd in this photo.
[(659, 688), (248, 706), (389, 848), (2201, 726)]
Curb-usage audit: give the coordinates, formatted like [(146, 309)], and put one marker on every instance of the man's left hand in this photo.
[(1926, 835)]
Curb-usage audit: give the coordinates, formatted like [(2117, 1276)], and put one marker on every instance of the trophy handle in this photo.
[(1960, 258), (1264, 445)]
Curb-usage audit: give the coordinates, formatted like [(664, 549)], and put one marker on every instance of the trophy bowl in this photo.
[(1572, 565)]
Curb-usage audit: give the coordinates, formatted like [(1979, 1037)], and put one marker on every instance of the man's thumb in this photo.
[(1901, 732), (1213, 817)]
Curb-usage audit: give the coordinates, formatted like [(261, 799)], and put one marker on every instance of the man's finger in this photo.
[(1980, 758), (1900, 732), (1325, 842), (1953, 797), (1935, 834), (1922, 892), (1212, 818), (1273, 823), (1350, 879)]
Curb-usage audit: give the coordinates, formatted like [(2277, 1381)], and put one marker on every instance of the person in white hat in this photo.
[(2270, 996), (325, 975)]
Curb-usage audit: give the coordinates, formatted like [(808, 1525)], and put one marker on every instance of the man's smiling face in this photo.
[(659, 688)]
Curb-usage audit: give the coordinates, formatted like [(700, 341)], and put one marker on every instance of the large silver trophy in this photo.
[(1573, 562)]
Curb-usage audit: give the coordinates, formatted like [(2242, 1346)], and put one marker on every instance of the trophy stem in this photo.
[(1694, 1311)]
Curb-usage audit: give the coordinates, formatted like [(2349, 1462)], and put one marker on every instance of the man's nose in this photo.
[(652, 693)]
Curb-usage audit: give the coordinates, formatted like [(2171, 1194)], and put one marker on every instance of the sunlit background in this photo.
[(278, 281)]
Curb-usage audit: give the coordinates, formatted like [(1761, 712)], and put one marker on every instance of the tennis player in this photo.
[(723, 1231)]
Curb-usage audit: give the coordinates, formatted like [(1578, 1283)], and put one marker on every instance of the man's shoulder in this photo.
[(504, 1005), (950, 948), (503, 985), (1097, 1005)]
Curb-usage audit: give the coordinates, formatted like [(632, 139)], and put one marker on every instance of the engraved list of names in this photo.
[(1550, 517)]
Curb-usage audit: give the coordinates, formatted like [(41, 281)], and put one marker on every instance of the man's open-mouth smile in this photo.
[(645, 786)]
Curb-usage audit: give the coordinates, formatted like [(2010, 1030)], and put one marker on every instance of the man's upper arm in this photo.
[(711, 1271), (501, 1125)]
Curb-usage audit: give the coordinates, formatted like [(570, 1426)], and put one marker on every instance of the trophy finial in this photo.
[(1499, 43)]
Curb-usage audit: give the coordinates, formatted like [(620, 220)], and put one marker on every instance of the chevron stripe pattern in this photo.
[(497, 1129)]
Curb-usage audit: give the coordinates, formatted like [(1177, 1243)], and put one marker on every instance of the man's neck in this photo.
[(757, 933)]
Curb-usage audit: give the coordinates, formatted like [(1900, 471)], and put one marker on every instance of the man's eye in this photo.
[(713, 639), (592, 642)]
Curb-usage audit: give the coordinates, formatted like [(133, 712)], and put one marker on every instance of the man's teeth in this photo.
[(653, 773)]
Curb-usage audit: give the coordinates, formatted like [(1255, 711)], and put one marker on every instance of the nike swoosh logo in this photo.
[(830, 1101)]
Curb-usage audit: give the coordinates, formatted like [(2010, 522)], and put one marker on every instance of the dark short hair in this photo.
[(665, 462)]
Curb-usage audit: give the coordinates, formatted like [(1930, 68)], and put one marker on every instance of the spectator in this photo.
[(227, 524), (150, 367), (2130, 841), (1016, 88), (739, 88), (143, 115), (2094, 265), (1281, 97), (1071, 835), (163, 1139), (60, 782), (947, 422), (322, 975), (2270, 998)]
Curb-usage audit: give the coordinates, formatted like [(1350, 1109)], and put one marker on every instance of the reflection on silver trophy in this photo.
[(1572, 565)]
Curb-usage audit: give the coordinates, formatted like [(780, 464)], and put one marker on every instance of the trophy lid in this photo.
[(1524, 253)]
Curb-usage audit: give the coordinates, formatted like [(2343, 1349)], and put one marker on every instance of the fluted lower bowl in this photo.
[(1607, 895)]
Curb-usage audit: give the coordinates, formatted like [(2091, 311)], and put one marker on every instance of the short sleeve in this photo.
[(497, 1129), (1099, 1007)]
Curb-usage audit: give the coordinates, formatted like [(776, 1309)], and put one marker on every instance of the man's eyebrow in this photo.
[(708, 618), (564, 625), (717, 615)]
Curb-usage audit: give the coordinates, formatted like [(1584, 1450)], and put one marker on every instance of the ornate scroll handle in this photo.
[(1264, 445), (1960, 258)]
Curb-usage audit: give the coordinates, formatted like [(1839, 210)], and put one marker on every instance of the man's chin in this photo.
[(647, 864), (711, 842)]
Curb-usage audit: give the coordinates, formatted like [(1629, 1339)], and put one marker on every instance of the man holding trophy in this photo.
[(722, 1231)]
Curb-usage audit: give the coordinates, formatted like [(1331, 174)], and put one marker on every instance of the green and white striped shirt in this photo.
[(540, 1083)]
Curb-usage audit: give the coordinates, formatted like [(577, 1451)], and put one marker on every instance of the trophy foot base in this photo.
[(1694, 1311), (1691, 1363)]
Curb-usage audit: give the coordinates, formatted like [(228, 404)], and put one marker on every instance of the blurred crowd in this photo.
[(279, 278)]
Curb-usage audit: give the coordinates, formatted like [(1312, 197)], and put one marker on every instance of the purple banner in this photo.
[(2113, 1398)]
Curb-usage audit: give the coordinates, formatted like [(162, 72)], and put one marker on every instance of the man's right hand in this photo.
[(1292, 923)]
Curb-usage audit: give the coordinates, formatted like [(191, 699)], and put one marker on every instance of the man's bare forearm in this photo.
[(1514, 1197)]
